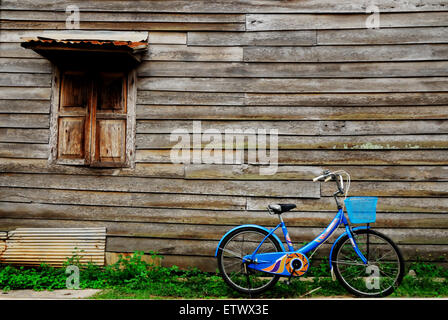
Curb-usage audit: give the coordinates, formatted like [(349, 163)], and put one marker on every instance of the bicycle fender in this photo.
[(253, 226), (339, 238)]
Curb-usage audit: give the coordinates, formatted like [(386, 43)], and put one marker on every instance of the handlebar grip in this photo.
[(328, 179), (317, 178)]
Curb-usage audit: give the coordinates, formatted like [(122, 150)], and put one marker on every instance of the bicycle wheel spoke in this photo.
[(381, 258), (387, 274), (233, 253)]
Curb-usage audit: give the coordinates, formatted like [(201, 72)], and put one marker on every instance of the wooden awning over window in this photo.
[(89, 49)]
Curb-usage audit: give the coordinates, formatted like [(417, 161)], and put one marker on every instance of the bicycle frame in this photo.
[(278, 262)]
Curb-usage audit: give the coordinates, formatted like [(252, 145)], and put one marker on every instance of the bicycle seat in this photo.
[(280, 208)]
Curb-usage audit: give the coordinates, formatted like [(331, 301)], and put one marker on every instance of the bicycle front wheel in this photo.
[(383, 272), (235, 273)]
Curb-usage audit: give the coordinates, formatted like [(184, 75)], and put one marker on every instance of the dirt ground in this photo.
[(56, 294)]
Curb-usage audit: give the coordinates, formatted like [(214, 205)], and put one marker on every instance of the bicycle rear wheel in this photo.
[(380, 276), (235, 273)]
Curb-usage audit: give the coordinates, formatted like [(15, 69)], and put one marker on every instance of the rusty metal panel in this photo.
[(33, 246), (87, 44)]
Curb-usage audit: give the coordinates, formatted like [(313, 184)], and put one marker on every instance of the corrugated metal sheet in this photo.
[(91, 49), (133, 47), (33, 246)]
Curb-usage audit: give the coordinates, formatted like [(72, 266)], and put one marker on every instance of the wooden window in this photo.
[(91, 121)]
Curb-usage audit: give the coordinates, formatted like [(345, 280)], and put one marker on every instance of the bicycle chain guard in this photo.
[(293, 264), (297, 264)]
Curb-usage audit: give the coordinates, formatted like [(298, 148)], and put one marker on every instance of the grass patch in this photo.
[(133, 278)]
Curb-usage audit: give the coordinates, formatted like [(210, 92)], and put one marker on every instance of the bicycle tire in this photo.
[(384, 258), (245, 280)]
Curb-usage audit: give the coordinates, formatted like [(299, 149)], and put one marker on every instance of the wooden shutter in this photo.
[(110, 120), (73, 118)]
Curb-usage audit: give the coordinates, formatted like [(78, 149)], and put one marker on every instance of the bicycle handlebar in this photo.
[(328, 175)]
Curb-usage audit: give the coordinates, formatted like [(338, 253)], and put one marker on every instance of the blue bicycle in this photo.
[(252, 258)]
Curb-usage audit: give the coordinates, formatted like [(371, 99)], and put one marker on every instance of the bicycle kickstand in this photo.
[(246, 271), (288, 282)]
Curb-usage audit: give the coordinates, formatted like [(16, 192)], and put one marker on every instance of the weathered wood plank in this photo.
[(25, 93), (42, 211), (173, 247), (306, 128), (365, 173), (220, 39), (293, 70), (275, 22), (331, 157), (161, 126), (154, 185), (24, 150), (162, 141), (136, 17), (190, 98), (141, 170), (204, 6), (20, 120), (392, 189), (185, 53), (146, 112), (347, 53), (24, 106), (383, 127), (157, 37), (25, 79), (18, 35), (383, 36), (25, 65), (23, 135), (15, 50), (125, 199), (373, 157), (187, 262), (119, 25), (324, 85), (388, 204), (343, 99)]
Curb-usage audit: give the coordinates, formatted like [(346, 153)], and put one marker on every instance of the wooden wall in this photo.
[(373, 102)]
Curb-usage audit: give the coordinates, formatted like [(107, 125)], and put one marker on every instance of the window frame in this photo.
[(130, 101)]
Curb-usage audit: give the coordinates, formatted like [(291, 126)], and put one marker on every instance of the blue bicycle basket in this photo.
[(361, 209)]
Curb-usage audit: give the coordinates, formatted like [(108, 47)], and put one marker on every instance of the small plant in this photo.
[(75, 259)]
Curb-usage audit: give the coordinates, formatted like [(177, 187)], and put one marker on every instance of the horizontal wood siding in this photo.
[(373, 102)]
